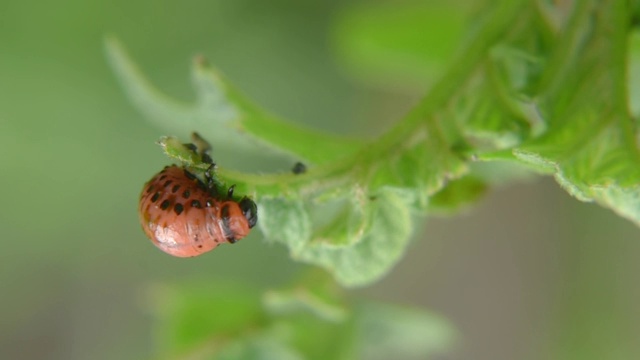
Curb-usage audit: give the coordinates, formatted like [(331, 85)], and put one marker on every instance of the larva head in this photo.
[(250, 211), (238, 218)]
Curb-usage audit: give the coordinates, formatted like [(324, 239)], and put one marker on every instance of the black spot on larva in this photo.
[(189, 175), (224, 214), (167, 183), (226, 226), (186, 194), (196, 204), (165, 205), (175, 188), (155, 197), (178, 208), (162, 177), (150, 189)]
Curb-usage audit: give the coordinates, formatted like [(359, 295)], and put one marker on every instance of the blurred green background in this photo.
[(529, 273)]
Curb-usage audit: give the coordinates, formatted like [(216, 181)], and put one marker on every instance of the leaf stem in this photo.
[(339, 171)]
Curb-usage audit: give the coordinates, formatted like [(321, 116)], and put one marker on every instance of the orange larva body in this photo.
[(184, 217)]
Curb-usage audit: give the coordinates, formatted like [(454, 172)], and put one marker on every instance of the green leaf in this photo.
[(590, 146), (212, 115), (557, 103), (386, 332), (300, 299), (457, 194), (373, 251), (315, 337), (223, 321), (633, 65), (373, 243), (257, 347), (223, 116), (194, 316), (420, 166), (496, 110), (285, 221)]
